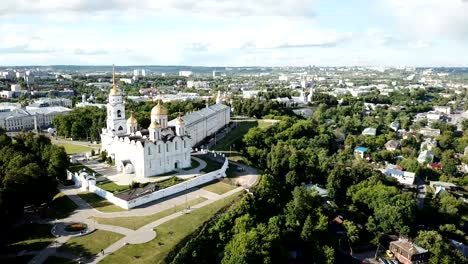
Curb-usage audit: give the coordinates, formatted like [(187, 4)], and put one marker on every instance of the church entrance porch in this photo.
[(177, 165)]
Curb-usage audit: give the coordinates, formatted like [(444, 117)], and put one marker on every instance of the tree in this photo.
[(351, 231), (441, 251)]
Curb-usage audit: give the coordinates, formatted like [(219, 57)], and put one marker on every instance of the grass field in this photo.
[(195, 164), (91, 244), (232, 170), (236, 134), (74, 148), (265, 123), (169, 235), (136, 222), (219, 187), (29, 237), (60, 207), (113, 187), (99, 203), (210, 165)]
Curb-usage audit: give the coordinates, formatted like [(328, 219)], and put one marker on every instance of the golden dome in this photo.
[(179, 121), (132, 120), (154, 125), (159, 109), (114, 91)]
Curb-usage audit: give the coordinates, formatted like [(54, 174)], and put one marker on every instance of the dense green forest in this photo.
[(284, 220), (30, 167)]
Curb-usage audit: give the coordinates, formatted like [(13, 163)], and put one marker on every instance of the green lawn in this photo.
[(219, 187), (136, 222), (113, 187), (99, 203), (60, 207), (169, 235), (231, 170), (169, 182), (29, 237), (74, 148), (195, 164), (236, 134), (210, 165), (58, 260), (90, 245), (263, 124)]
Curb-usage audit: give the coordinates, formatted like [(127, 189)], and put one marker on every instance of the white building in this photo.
[(185, 73), (198, 84), (425, 156), (144, 153), (45, 101), (36, 118), (403, 177), (207, 121), (443, 109)]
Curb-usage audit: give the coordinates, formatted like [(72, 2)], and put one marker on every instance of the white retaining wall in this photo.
[(88, 183)]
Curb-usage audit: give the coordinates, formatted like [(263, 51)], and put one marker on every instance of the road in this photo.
[(422, 191), (248, 177)]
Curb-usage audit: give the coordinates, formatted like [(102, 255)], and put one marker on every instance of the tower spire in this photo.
[(114, 90)]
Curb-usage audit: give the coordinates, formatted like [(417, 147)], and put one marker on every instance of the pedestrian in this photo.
[(102, 252)]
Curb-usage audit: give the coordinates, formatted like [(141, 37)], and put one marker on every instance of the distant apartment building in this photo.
[(185, 73), (45, 101), (198, 84), (29, 119)]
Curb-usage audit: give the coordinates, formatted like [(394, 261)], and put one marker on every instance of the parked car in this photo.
[(389, 253)]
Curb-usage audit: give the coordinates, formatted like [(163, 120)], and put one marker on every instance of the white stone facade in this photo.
[(157, 150), (205, 122)]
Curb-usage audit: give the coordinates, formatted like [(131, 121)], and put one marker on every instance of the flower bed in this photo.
[(76, 227)]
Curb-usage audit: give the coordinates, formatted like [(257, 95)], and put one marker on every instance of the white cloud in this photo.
[(205, 7), (418, 44), (431, 19)]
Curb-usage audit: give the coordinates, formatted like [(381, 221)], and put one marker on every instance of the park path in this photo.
[(143, 231), (85, 212)]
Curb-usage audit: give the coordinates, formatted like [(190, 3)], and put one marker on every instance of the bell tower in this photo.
[(116, 123)]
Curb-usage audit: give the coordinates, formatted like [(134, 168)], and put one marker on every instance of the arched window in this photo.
[(120, 128), (119, 113)]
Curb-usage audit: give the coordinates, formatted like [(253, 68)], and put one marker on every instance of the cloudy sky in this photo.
[(234, 32)]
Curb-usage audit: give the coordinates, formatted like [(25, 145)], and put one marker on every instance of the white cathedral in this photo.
[(144, 153)]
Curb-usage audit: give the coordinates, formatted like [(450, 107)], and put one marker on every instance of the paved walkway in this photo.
[(85, 214), (143, 231)]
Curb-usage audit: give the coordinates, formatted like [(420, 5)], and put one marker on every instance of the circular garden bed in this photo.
[(76, 227)]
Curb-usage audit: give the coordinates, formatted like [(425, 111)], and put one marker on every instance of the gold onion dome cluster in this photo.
[(179, 121), (154, 125), (132, 120), (114, 91), (159, 109)]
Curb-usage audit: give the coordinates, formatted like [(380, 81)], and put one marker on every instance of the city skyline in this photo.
[(235, 33)]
